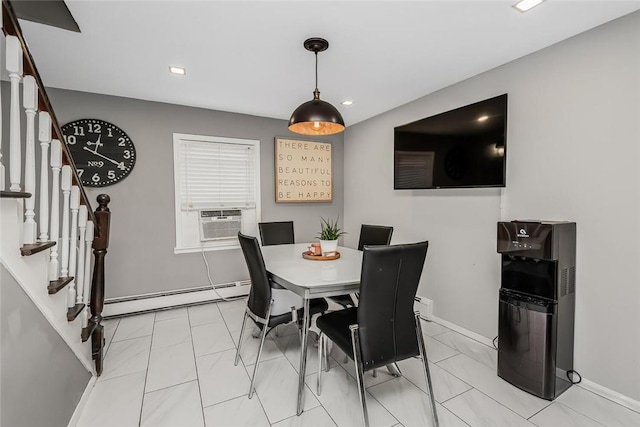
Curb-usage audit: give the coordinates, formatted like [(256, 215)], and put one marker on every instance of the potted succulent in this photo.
[(329, 233)]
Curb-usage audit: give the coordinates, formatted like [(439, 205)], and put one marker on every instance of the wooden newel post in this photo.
[(100, 245)]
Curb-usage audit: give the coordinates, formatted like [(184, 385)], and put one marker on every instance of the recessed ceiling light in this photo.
[(526, 5), (483, 118), (347, 102), (178, 70)]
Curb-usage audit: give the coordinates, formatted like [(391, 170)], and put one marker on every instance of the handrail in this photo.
[(11, 27)]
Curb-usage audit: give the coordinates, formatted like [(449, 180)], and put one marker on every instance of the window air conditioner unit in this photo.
[(219, 224)]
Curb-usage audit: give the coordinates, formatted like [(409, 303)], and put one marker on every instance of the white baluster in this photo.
[(82, 228), (73, 244), (56, 164), (14, 67), (88, 240), (44, 136), (1, 165), (30, 103), (64, 239)]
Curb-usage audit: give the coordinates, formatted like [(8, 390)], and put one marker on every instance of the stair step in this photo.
[(34, 248), (57, 285), (86, 332), (14, 195), (74, 312)]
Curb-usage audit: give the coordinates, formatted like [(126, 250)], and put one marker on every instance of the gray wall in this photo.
[(573, 153), (42, 380), (141, 258)]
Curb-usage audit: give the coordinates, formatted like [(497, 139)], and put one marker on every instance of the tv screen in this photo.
[(465, 147)]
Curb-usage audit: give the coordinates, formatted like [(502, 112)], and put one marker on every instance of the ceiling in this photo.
[(247, 56)]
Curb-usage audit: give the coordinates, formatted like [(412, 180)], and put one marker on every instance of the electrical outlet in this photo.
[(424, 306)]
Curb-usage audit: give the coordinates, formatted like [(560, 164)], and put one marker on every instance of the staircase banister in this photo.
[(11, 27)]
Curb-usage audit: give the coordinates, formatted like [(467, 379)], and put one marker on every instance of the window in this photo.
[(217, 191)]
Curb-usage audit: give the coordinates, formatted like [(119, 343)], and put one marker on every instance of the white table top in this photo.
[(309, 278)]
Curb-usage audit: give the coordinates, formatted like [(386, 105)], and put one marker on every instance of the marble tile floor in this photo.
[(175, 369)]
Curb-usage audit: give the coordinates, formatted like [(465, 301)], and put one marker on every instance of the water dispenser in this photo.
[(537, 305)]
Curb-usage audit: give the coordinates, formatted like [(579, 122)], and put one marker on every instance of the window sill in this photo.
[(195, 249)]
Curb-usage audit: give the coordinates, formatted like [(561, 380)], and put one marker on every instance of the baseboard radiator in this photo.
[(166, 300)]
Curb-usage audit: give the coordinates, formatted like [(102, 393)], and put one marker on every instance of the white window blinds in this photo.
[(216, 174)]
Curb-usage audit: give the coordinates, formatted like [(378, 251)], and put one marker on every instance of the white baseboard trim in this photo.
[(605, 392), (612, 395), (73, 422), (467, 333), (124, 306)]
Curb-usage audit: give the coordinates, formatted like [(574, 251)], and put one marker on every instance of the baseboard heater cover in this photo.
[(136, 304)]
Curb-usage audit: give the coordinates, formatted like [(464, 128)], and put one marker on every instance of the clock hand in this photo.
[(97, 144), (100, 155)]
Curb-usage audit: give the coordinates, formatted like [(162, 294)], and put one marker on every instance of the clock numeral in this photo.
[(95, 177), (94, 128), (109, 133), (79, 130), (127, 154), (71, 139), (121, 166), (111, 174), (121, 142), (80, 172)]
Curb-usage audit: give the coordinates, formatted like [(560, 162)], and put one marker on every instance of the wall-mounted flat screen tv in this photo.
[(461, 148)]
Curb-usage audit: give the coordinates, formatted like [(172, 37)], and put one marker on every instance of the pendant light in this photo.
[(316, 117)]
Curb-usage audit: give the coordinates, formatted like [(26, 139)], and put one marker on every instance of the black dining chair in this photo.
[(269, 305), (276, 233), (369, 235), (374, 235), (383, 328)]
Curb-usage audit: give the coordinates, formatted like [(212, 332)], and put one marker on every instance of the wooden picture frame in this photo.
[(303, 171)]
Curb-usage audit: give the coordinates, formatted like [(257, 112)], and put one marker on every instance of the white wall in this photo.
[(573, 152), (45, 390)]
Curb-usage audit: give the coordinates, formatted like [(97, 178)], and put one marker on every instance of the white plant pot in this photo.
[(329, 247)]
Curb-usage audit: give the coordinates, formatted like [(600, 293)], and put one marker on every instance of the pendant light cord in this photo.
[(316, 70)]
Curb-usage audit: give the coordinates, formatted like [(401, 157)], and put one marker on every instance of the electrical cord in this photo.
[(569, 376), (213, 287)]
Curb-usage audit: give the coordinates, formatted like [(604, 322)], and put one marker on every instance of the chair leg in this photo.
[(394, 370), (354, 298), (357, 359), (300, 332), (375, 373), (425, 365), (320, 359), (256, 332), (244, 322), (326, 343), (265, 328)]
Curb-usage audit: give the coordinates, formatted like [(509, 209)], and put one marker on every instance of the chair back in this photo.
[(276, 233), (260, 292), (374, 235), (388, 286)]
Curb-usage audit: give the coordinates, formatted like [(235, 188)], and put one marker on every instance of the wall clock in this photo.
[(103, 153)]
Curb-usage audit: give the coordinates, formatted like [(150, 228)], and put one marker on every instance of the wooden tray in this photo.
[(308, 255)]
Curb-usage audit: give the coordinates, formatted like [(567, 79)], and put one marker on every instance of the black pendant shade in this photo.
[(316, 117)]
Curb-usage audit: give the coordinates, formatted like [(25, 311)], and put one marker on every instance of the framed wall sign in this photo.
[(303, 171)]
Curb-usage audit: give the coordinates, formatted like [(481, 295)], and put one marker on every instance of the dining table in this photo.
[(311, 278)]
